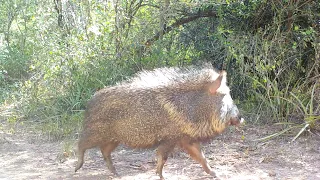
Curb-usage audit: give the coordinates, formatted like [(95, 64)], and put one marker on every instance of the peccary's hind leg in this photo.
[(193, 149), (163, 152), (106, 150), (80, 159), (83, 145)]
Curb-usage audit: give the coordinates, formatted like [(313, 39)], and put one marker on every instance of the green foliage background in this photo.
[(55, 54)]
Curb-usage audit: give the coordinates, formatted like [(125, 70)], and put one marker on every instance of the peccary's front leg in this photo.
[(193, 149), (163, 152)]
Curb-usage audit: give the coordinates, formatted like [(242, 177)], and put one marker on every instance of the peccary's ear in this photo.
[(217, 83)]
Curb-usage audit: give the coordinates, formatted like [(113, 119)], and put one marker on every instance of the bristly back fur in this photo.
[(182, 78)]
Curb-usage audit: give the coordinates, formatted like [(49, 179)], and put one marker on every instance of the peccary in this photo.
[(163, 108)]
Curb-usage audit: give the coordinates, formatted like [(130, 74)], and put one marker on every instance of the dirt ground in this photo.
[(232, 155)]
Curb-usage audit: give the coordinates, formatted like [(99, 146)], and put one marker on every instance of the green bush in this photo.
[(52, 62)]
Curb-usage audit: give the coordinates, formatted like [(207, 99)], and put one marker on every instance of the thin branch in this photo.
[(132, 12), (179, 22)]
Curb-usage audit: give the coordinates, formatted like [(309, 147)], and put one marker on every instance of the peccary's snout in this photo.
[(235, 119)]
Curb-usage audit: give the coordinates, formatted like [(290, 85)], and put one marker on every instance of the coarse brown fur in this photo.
[(180, 108)]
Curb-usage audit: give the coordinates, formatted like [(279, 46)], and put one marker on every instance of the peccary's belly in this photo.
[(142, 133), (136, 137), (138, 127)]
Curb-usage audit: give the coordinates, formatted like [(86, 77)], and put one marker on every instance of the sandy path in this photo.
[(27, 156)]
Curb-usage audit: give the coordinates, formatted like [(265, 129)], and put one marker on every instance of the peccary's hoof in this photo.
[(115, 174), (161, 178), (79, 165), (213, 174), (160, 175)]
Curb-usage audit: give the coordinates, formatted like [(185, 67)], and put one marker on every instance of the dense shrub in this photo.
[(54, 56)]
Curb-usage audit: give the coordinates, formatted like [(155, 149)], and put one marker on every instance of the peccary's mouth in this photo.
[(236, 121)]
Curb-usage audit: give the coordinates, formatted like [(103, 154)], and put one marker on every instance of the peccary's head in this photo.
[(229, 113)]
